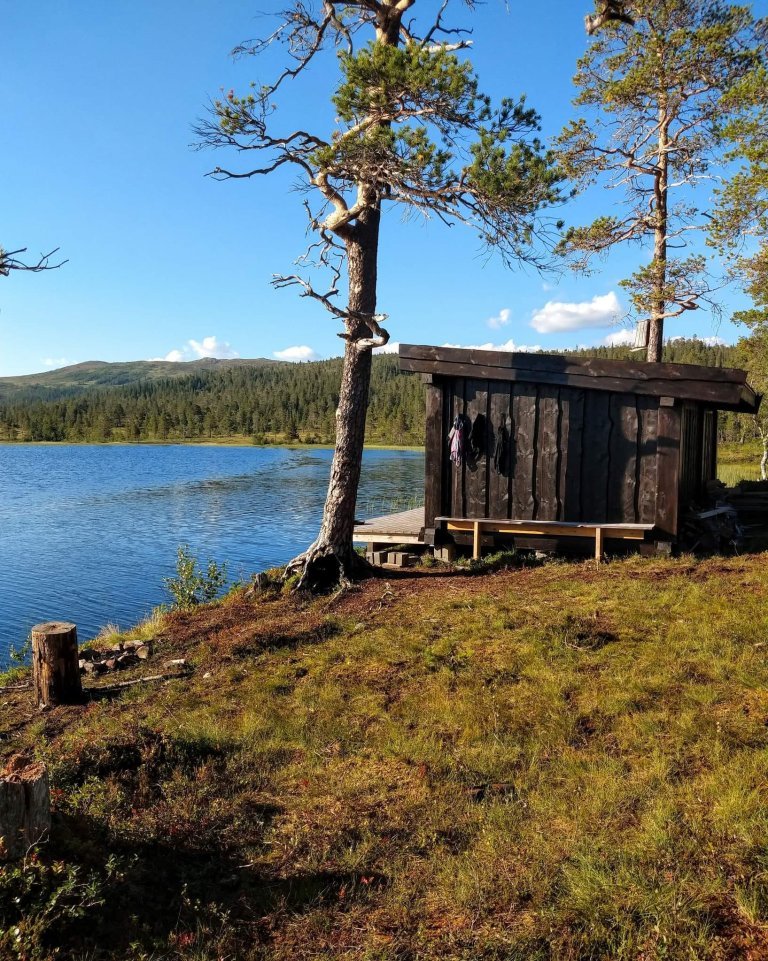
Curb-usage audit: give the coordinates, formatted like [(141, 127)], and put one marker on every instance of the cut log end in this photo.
[(25, 807), (54, 628)]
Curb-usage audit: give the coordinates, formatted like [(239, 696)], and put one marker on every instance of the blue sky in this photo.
[(98, 102)]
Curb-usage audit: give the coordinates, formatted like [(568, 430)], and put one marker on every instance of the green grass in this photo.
[(540, 763), (737, 462)]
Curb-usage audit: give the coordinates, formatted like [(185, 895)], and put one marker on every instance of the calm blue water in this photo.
[(87, 533)]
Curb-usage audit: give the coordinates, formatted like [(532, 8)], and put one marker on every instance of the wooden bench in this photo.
[(478, 525)]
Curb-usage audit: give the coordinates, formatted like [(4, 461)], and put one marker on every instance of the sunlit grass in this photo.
[(532, 764)]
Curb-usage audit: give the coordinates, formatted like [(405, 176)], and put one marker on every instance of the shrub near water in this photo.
[(193, 585)]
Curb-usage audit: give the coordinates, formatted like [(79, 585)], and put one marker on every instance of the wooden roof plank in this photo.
[(560, 363), (723, 388)]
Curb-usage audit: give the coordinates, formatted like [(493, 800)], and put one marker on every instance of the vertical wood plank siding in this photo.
[(457, 498), (595, 462), (571, 452), (500, 446), (525, 407), (691, 453), (647, 459), (541, 452), (476, 456), (709, 459), (433, 455), (548, 451), (668, 469)]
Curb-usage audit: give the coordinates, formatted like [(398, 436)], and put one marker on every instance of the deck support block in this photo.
[(598, 544)]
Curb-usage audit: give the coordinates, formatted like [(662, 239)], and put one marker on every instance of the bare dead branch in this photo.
[(9, 260), (612, 10)]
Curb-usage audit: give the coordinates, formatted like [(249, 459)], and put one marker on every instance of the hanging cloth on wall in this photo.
[(456, 440), (477, 437), (500, 450)]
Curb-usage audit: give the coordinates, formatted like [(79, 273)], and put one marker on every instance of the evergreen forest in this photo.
[(265, 403)]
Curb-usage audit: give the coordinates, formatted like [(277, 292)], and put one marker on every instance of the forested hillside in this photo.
[(267, 403), (256, 400), (63, 382)]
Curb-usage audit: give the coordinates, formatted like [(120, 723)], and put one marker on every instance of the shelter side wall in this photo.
[(698, 452), (546, 452)]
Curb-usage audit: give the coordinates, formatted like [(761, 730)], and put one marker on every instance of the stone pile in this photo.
[(117, 658)]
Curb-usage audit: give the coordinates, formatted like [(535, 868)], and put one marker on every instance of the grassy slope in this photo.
[(552, 763)]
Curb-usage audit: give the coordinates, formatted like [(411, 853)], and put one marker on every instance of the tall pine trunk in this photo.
[(656, 326), (331, 558)]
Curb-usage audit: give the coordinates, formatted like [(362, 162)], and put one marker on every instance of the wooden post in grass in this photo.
[(25, 807), (55, 668)]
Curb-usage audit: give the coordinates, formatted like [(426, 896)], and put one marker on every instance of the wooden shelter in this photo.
[(562, 447)]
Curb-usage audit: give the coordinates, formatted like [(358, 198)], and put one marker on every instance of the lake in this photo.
[(87, 533)]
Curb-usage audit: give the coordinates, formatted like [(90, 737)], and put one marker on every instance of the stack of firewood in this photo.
[(733, 518), (749, 499)]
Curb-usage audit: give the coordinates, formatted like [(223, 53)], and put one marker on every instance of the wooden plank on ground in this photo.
[(406, 527)]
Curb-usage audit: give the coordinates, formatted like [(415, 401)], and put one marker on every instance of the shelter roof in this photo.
[(723, 388)]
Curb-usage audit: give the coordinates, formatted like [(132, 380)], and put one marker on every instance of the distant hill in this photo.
[(99, 373), (263, 401)]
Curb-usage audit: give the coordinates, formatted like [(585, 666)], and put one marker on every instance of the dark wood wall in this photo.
[(542, 452), (698, 451)]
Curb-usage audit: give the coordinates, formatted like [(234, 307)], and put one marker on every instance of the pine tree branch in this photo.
[(9, 260)]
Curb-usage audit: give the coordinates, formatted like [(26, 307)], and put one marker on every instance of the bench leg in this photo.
[(476, 541), (598, 544)]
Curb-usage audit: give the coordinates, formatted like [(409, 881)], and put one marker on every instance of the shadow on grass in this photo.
[(167, 894), (287, 640)]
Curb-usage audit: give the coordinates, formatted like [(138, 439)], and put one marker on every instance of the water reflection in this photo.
[(88, 533)]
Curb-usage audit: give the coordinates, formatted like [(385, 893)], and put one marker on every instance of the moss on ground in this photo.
[(543, 763)]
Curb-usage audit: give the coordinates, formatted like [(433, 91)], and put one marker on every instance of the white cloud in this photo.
[(197, 349), (556, 316), (52, 363), (500, 320), (391, 348), (715, 342), (510, 345), (213, 347), (297, 353), (620, 338)]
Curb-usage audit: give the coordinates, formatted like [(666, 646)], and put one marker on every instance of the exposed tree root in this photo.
[(322, 568)]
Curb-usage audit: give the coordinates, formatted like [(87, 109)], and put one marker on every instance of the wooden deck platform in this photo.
[(405, 527)]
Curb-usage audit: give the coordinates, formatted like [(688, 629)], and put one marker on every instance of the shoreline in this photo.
[(194, 443)]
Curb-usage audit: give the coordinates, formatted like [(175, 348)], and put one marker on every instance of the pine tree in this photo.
[(655, 92), (413, 129), (740, 226)]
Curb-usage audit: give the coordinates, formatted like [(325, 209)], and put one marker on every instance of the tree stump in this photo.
[(55, 667), (25, 807)]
